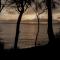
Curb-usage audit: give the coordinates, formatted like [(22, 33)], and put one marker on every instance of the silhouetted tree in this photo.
[(50, 28), (39, 5), (22, 5)]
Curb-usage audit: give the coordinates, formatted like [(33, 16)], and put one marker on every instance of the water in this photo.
[(28, 31)]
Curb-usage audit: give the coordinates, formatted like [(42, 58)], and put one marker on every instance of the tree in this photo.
[(39, 5), (50, 28), (22, 5)]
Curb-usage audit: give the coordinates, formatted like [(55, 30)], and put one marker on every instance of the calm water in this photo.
[(28, 30)]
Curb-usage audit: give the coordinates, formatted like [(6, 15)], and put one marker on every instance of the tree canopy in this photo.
[(41, 4)]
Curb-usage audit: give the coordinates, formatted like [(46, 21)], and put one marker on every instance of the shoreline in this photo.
[(42, 21)]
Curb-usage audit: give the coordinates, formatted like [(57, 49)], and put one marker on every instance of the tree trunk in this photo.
[(17, 28), (38, 24), (37, 32), (50, 28)]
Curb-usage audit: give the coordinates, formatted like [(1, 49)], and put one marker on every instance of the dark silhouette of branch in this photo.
[(2, 6)]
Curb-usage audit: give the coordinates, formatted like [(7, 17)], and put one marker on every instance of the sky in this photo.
[(9, 12), (5, 13)]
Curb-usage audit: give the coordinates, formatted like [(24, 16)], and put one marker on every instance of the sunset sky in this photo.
[(11, 14)]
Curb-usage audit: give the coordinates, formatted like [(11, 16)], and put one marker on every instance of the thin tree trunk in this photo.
[(37, 32), (17, 28), (50, 28), (38, 24)]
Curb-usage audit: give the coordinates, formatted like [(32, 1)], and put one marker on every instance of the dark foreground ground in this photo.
[(53, 47), (24, 52)]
